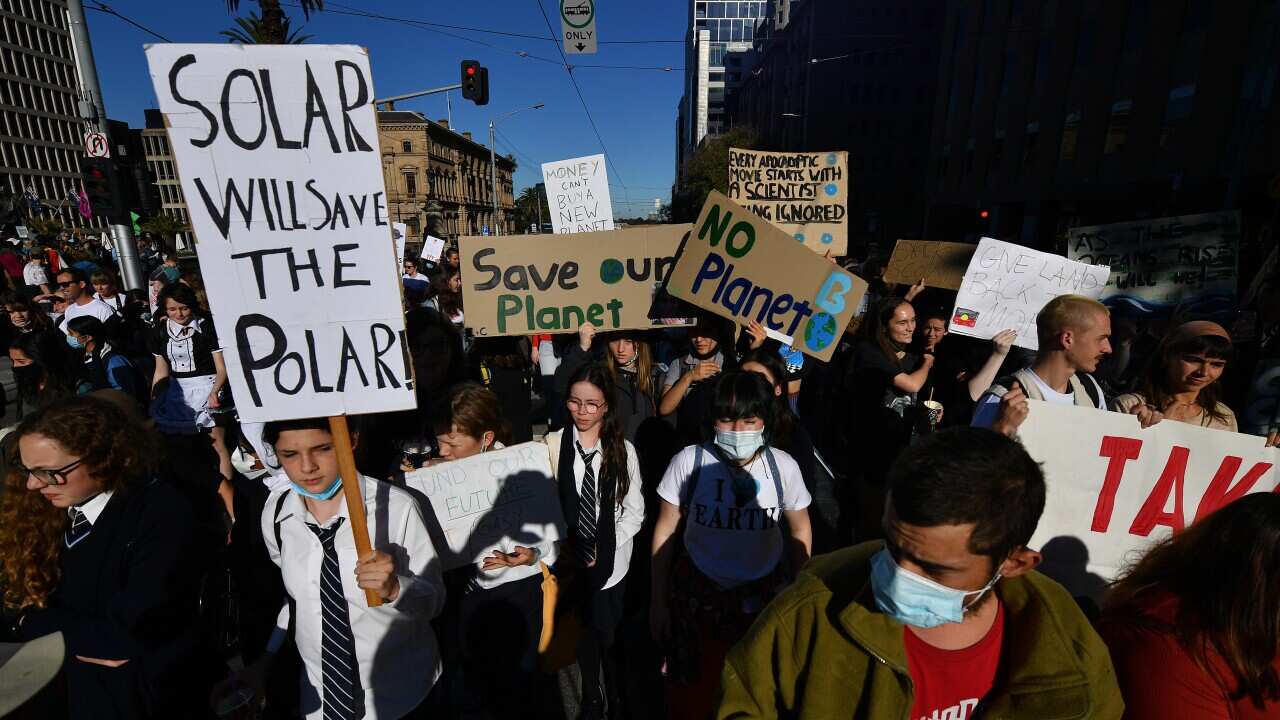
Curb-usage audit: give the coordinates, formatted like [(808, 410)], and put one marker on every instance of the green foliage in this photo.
[(45, 228), (706, 170), (270, 26), (165, 228), (527, 209)]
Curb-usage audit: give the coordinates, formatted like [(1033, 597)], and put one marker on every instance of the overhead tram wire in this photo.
[(107, 10)]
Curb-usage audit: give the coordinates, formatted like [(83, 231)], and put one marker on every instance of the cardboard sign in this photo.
[(526, 284), (492, 501), (432, 248), (1006, 285), (1114, 489), (941, 264), (737, 265), (277, 149), (806, 194), (1157, 265), (398, 231), (578, 194)]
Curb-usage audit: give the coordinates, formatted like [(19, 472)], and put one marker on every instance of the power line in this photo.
[(103, 8), (569, 71)]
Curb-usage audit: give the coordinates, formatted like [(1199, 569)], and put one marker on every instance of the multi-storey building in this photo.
[(426, 164), (160, 164), (41, 133)]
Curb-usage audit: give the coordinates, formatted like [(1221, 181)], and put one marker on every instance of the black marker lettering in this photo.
[(338, 280), (182, 62)]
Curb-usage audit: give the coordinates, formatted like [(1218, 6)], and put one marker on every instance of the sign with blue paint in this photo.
[(805, 194), (739, 266)]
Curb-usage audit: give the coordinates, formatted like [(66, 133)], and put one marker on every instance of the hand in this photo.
[(100, 661), (406, 466), (928, 359), (1147, 415), (253, 679), (756, 331), (1003, 341), (704, 370), (377, 572), (1273, 439), (915, 290), (660, 622), (586, 334), (1013, 411), (213, 399), (518, 556)]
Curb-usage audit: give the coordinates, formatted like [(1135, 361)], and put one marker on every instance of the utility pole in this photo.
[(94, 111), (493, 180)]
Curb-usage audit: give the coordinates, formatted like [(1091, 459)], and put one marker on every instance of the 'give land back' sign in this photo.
[(277, 148), (737, 265)]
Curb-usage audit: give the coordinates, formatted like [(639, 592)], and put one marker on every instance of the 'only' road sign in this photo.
[(578, 26)]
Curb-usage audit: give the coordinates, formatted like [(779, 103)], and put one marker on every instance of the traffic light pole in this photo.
[(391, 101), (493, 181)]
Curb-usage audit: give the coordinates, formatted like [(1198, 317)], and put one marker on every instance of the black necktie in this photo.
[(80, 527), (585, 542), (343, 696)]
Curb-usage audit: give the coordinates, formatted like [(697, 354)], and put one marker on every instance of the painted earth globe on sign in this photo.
[(820, 331)]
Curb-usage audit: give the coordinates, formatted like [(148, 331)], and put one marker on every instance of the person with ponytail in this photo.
[(719, 549), (103, 366), (598, 476)]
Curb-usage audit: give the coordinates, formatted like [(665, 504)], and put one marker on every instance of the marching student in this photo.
[(360, 661), (598, 476)]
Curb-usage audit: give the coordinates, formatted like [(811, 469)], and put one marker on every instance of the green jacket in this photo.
[(822, 649)]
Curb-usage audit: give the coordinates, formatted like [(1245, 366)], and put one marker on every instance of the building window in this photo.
[(1118, 127), (411, 184), (1070, 136), (406, 146)]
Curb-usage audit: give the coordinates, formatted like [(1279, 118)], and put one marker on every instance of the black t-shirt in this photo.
[(883, 413), (188, 349)]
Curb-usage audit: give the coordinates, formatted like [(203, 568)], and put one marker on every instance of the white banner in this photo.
[(578, 194), (277, 149), (1115, 489), (1006, 285), (492, 501)]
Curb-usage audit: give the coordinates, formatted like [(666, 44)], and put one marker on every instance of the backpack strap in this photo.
[(773, 470), (1091, 389)]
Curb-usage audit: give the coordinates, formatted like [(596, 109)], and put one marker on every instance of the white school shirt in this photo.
[(627, 517), (95, 506), (116, 302), (93, 308), (988, 409), (734, 540), (395, 640)]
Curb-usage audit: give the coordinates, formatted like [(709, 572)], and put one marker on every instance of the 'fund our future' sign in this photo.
[(277, 149), (737, 265)]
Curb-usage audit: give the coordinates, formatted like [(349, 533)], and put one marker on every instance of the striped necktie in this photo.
[(80, 527), (585, 542), (343, 696)]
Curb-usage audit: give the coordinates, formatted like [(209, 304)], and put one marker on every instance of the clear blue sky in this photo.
[(633, 109)]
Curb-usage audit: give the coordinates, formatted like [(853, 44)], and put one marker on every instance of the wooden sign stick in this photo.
[(351, 490)]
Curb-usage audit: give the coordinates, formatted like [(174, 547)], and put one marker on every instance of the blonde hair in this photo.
[(1066, 312)]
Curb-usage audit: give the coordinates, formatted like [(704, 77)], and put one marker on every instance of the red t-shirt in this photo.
[(950, 683)]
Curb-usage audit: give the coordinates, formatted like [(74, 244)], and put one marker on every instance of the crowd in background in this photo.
[(699, 468)]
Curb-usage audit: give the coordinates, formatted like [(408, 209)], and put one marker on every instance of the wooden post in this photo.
[(351, 490)]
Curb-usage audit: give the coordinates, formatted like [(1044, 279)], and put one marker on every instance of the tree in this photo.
[(527, 208), (706, 170), (273, 24), (165, 228), (253, 30), (45, 227)]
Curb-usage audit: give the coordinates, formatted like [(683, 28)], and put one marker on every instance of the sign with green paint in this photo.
[(530, 284), (738, 265)]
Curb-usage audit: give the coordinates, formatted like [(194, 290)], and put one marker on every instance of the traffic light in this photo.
[(100, 185), (475, 82)]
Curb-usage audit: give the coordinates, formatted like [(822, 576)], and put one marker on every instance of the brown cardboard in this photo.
[(739, 266), (607, 278), (783, 187), (941, 264)]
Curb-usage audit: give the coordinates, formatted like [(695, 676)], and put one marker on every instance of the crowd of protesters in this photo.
[(748, 532)]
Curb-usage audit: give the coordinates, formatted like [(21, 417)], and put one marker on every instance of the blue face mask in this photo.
[(740, 444), (75, 342), (325, 494), (918, 601)]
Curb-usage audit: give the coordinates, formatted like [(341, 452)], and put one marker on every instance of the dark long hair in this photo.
[(741, 394), (39, 319), (1155, 384), (449, 302), (1224, 571), (59, 371), (783, 420), (613, 446), (875, 326), (644, 363)]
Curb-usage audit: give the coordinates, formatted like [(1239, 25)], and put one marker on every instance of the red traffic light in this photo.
[(984, 214), (471, 70)]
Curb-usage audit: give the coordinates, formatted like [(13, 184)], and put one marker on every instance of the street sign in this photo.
[(96, 145), (578, 26)]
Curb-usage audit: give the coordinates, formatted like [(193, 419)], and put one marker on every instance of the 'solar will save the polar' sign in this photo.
[(277, 149)]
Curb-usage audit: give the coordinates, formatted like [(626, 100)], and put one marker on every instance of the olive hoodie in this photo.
[(822, 649)]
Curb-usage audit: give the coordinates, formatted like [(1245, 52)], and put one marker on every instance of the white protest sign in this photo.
[(492, 501), (1006, 285), (397, 234), (578, 194), (1115, 489), (277, 149), (578, 26), (432, 248)]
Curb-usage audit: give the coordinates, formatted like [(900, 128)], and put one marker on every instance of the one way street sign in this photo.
[(578, 26)]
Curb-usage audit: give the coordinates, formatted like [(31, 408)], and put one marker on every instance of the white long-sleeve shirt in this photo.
[(395, 640)]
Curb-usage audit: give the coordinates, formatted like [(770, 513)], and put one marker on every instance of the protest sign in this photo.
[(277, 149), (520, 285), (737, 265), (1114, 489), (805, 194), (578, 194), (432, 248), (491, 501), (1006, 285), (1159, 265), (941, 264), (398, 231)]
